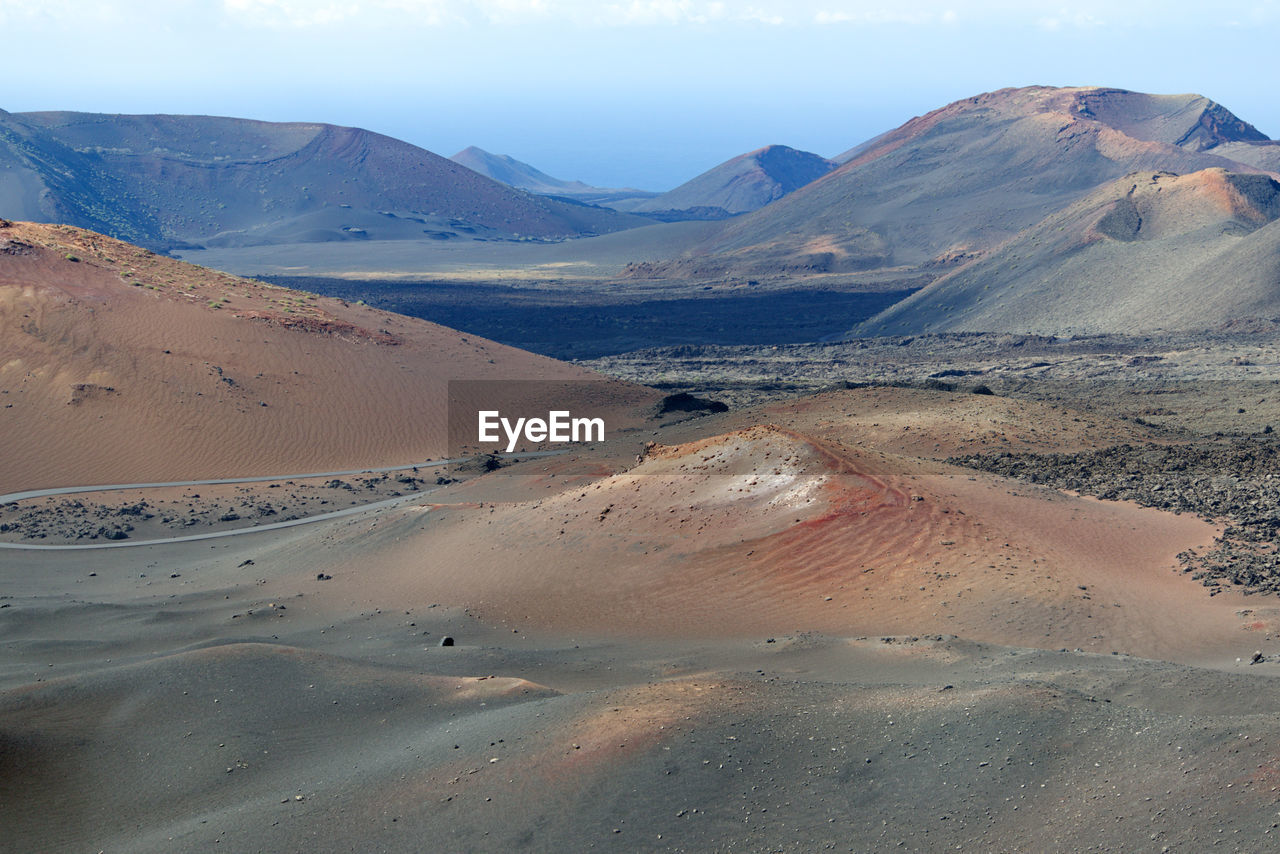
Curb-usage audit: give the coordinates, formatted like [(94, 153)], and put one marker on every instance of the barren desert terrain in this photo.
[(790, 627), (937, 508)]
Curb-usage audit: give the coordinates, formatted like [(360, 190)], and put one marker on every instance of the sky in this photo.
[(634, 93)]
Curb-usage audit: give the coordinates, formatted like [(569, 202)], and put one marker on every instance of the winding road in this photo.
[(273, 526), (71, 490)]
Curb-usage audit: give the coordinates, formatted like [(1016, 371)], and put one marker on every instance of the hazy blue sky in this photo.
[(643, 93)]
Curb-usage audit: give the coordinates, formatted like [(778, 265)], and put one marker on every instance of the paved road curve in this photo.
[(274, 526), (70, 490)]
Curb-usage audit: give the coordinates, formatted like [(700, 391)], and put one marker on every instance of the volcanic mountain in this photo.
[(165, 181), (118, 365), (1149, 251), (746, 183), (514, 173), (964, 178)]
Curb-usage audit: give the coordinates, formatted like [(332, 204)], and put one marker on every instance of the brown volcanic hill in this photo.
[(970, 175), (1150, 251), (167, 181), (1188, 121), (766, 529), (118, 365), (746, 183)]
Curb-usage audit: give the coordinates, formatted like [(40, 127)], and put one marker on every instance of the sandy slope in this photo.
[(122, 366), (762, 532)]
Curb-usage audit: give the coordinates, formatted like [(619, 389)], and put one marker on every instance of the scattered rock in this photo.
[(481, 464), (686, 403)]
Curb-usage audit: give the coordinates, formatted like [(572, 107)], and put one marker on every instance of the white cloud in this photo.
[(871, 15), (411, 14), (761, 16), (519, 7), (1043, 14), (582, 13), (1066, 18), (419, 13), (58, 11), (650, 12), (291, 13)]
